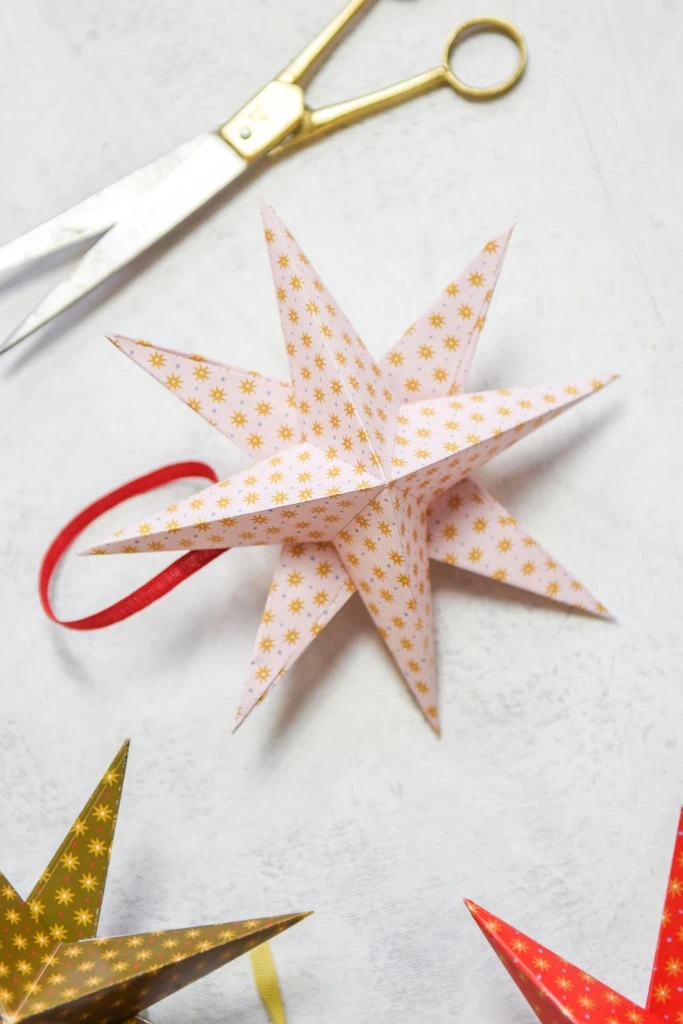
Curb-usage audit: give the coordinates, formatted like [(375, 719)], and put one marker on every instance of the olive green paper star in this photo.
[(54, 966)]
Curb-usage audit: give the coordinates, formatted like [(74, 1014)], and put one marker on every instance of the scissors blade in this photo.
[(209, 168), (94, 215)]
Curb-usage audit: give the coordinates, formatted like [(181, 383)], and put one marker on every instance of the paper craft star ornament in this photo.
[(53, 967), (363, 470), (559, 992)]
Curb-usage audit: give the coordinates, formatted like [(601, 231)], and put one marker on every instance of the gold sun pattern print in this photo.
[(559, 992), (53, 967), (362, 470)]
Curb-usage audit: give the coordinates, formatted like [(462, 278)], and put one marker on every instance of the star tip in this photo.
[(289, 920), (435, 726), (266, 209), (474, 909), (122, 754), (117, 340), (505, 234), (598, 611)]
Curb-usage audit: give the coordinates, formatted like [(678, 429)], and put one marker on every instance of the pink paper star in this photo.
[(364, 469)]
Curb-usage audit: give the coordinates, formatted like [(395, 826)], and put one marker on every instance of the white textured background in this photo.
[(552, 797)]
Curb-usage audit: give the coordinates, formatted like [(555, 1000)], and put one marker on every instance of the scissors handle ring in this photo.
[(475, 26)]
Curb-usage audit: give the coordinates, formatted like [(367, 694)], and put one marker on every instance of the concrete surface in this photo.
[(552, 797)]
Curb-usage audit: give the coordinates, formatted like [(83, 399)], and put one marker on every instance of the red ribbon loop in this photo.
[(149, 592)]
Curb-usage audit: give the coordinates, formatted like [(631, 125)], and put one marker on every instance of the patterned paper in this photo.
[(558, 992), (362, 470), (52, 965), (666, 986)]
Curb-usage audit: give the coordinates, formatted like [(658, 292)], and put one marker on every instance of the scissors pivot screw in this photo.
[(245, 133)]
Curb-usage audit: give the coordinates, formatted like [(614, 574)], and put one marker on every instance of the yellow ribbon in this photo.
[(265, 976)]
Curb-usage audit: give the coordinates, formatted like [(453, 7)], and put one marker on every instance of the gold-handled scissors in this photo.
[(132, 214)]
